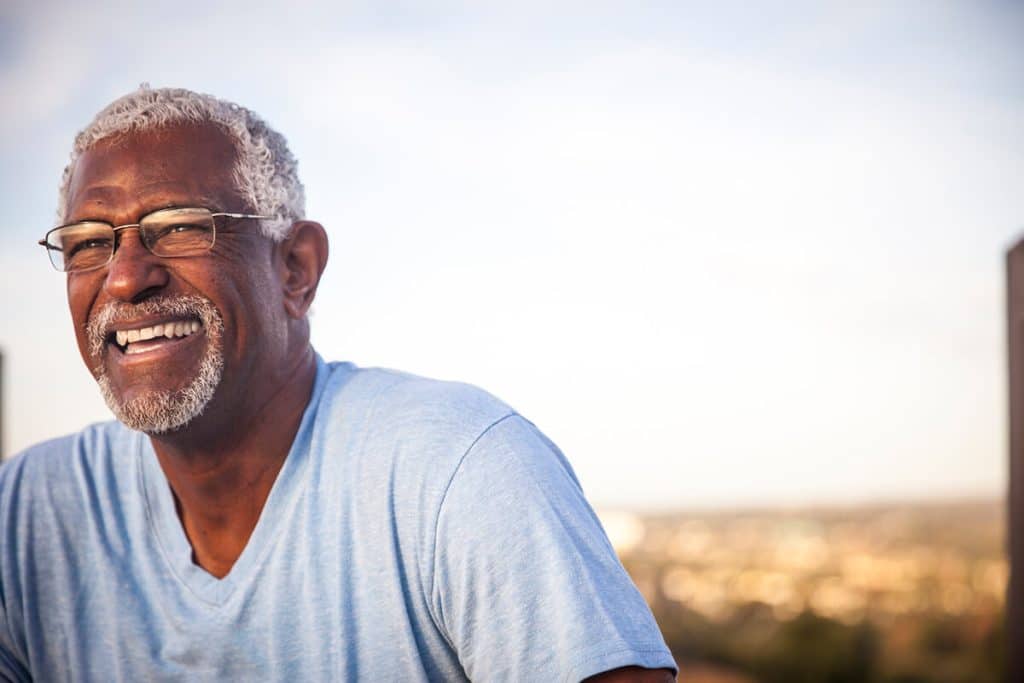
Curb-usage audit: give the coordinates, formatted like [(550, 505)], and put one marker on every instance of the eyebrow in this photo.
[(203, 203)]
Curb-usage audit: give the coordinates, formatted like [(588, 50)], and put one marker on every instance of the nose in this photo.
[(134, 273)]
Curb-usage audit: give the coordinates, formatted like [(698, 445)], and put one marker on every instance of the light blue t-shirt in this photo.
[(418, 530)]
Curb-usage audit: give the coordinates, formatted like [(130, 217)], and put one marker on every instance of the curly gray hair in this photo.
[(265, 174)]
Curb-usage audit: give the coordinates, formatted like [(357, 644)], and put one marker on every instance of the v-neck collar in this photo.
[(170, 535)]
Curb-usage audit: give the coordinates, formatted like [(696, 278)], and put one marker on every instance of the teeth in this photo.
[(168, 330)]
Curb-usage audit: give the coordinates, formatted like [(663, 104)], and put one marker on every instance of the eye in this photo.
[(85, 245), (174, 231), (179, 238), (179, 228)]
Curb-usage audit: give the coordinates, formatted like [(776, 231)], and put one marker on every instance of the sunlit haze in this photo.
[(721, 256)]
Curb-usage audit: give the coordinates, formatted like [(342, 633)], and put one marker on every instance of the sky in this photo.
[(723, 255)]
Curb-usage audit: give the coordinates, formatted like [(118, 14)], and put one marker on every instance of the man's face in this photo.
[(217, 317)]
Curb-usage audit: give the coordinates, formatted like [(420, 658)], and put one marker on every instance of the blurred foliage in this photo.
[(898, 593), (809, 648)]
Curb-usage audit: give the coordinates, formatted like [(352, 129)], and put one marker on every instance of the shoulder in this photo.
[(407, 408), (382, 430), (388, 445), (52, 456), (59, 471)]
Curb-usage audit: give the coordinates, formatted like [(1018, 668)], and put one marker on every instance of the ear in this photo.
[(303, 257)]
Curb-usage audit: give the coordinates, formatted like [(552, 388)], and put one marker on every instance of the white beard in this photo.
[(159, 412)]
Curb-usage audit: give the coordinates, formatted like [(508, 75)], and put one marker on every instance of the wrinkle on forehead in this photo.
[(184, 165), (95, 203)]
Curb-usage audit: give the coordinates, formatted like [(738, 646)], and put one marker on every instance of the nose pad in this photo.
[(134, 273)]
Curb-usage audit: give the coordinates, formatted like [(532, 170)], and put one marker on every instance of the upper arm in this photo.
[(526, 585), (12, 667)]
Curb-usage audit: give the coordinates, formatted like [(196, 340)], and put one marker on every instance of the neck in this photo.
[(221, 477)]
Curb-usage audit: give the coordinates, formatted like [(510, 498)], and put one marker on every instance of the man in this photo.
[(257, 513)]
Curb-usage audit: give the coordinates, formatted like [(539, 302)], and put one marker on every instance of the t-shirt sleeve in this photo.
[(526, 586)]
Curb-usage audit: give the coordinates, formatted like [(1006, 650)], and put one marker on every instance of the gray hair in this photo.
[(265, 174)]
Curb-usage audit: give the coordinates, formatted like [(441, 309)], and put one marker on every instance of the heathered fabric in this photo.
[(418, 530)]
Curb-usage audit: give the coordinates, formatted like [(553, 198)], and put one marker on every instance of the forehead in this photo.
[(125, 175)]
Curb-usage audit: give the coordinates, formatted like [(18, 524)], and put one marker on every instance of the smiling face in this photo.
[(173, 339)]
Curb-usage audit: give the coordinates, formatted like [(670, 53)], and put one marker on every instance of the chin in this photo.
[(158, 409), (161, 412)]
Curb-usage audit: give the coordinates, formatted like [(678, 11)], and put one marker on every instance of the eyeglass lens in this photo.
[(168, 233)]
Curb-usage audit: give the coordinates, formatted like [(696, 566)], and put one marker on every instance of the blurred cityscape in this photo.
[(894, 593)]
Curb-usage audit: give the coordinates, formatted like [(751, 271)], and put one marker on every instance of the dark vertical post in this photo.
[(1015, 591)]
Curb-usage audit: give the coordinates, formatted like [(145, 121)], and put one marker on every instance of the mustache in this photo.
[(102, 321)]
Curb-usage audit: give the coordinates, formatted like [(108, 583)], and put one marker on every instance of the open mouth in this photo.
[(130, 341)]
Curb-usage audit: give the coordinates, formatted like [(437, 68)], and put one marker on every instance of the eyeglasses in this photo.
[(168, 233)]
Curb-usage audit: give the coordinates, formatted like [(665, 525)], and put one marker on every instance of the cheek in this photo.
[(245, 296), (249, 276), (80, 301), (81, 295)]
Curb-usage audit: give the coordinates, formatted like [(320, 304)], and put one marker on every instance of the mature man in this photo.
[(257, 513)]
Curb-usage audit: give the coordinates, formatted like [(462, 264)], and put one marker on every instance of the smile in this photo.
[(150, 337)]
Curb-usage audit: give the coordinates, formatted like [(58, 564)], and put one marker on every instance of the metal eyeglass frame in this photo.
[(138, 226)]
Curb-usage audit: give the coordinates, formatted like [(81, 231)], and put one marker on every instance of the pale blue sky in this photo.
[(721, 255)]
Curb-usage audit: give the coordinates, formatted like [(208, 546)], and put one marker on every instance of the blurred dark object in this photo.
[(1015, 332)]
